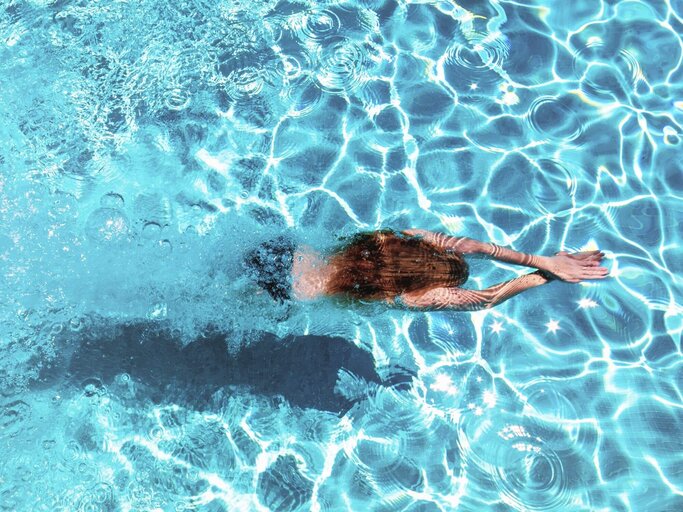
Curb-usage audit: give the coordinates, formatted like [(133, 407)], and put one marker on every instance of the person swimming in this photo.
[(413, 268)]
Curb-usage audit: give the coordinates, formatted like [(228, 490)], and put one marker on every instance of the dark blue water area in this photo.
[(301, 370)]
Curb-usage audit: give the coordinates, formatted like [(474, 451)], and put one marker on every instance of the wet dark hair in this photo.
[(384, 264)]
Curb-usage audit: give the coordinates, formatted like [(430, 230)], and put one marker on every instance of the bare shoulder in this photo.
[(310, 273)]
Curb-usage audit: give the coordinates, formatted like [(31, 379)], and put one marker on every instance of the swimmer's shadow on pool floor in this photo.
[(304, 369)]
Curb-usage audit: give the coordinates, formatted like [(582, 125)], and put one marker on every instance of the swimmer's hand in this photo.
[(575, 267)]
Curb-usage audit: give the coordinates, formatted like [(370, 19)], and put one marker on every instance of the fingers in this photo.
[(587, 254), (594, 273), (596, 270), (586, 258), (579, 253)]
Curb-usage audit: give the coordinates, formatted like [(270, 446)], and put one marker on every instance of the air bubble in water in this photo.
[(112, 200), (151, 230), (165, 246), (123, 378)]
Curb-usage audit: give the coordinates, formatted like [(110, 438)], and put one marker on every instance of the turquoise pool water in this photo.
[(146, 145)]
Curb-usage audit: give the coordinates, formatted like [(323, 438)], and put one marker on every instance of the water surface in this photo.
[(147, 145)]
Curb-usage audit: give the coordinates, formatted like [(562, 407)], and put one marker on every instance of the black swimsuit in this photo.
[(270, 265)]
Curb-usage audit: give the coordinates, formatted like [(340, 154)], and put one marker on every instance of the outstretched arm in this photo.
[(567, 267), (466, 245), (472, 300)]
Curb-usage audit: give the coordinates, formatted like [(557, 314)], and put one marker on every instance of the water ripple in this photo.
[(521, 459), (392, 428), (298, 90), (477, 62), (604, 72), (555, 118), (545, 399), (539, 126), (553, 187), (316, 25), (343, 64), (97, 497), (244, 82), (531, 475)]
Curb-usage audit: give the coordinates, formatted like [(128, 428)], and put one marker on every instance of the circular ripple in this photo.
[(165, 247), (388, 474), (543, 398), (245, 82), (186, 67), (98, 497), (481, 52), (381, 454), (526, 470), (316, 25), (393, 429), (476, 61), (123, 379), (290, 67), (342, 65), (56, 329), (552, 187), (531, 477), (275, 26), (604, 72), (72, 451), (298, 92), (399, 410), (555, 118), (157, 433)]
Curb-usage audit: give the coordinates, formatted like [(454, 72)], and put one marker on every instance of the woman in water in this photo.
[(415, 268)]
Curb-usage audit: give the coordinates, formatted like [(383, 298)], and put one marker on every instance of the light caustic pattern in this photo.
[(146, 144)]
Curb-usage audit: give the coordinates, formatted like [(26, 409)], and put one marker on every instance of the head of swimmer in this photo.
[(383, 264)]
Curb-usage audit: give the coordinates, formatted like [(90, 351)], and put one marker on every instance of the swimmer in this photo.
[(415, 268)]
